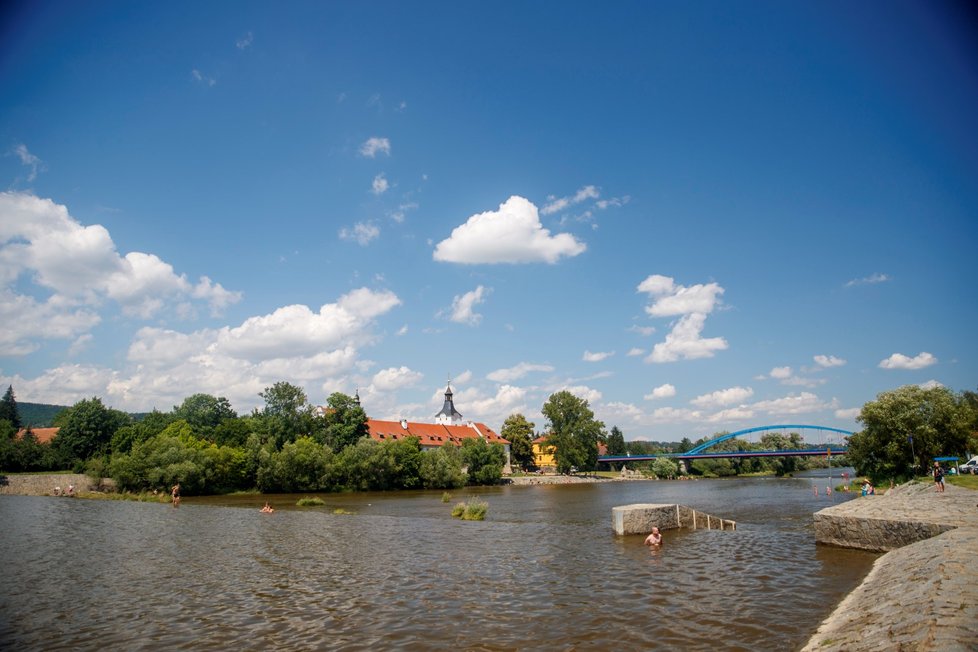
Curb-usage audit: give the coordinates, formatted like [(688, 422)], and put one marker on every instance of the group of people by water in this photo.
[(70, 491)]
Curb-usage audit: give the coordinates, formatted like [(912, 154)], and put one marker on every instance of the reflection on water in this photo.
[(543, 571)]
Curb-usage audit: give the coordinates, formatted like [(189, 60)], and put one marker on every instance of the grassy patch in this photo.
[(340, 510), (142, 496), (311, 501), (474, 510), (966, 481), (446, 497)]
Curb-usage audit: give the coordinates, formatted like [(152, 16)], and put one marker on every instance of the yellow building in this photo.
[(543, 455)]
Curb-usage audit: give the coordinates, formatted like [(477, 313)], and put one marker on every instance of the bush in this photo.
[(314, 501), (474, 510), (458, 510)]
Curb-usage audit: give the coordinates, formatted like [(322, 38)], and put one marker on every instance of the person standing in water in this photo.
[(654, 539), (175, 494)]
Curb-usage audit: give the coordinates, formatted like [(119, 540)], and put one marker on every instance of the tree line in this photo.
[(288, 446)]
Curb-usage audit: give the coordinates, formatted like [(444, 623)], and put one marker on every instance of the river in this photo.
[(544, 571)]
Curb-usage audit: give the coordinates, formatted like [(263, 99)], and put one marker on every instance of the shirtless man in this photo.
[(654, 539), (175, 494)]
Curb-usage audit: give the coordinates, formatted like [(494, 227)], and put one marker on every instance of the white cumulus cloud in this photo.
[(900, 361), (394, 378), (671, 299), (662, 391), (362, 233), (685, 342), (513, 234), (723, 397), (828, 361), (373, 146), (597, 356), (379, 185), (463, 307), (781, 372), (517, 372)]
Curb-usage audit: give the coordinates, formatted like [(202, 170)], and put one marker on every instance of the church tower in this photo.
[(448, 416)]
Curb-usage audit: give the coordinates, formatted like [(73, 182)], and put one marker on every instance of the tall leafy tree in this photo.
[(906, 428), (204, 412), (616, 442), (519, 433), (8, 408), (86, 428), (574, 432), (287, 414), (345, 421)]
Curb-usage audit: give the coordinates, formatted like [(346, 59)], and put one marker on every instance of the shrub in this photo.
[(313, 501), (446, 497), (474, 510), (458, 510)]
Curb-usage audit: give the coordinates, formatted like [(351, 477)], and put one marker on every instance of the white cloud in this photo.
[(202, 78), (362, 233), (513, 234), (931, 384), (463, 307), (492, 409), (379, 185), (671, 299), (597, 356), (684, 342), (723, 397), (781, 372), (612, 201), (869, 280), (635, 351), (642, 330), (583, 391), (28, 159), (828, 361), (739, 413), (900, 361), (556, 205), (373, 146), (77, 268), (803, 403), (847, 413), (245, 41), (517, 372), (662, 391), (395, 378)]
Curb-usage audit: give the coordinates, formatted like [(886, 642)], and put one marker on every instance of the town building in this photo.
[(449, 427), (543, 454)]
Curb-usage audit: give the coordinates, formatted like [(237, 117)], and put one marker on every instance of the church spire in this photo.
[(448, 415)]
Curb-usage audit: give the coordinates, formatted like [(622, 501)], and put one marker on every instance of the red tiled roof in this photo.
[(43, 435), (430, 434)]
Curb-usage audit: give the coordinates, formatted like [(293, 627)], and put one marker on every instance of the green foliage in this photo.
[(484, 461), (616, 442), (664, 467), (302, 465), (86, 429), (369, 465), (345, 422), (474, 510), (310, 501), (446, 497), (8, 408), (26, 453), (442, 468), (519, 433), (574, 432), (150, 425), (204, 412), (937, 419)]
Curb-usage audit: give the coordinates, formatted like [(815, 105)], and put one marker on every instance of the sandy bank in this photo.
[(923, 595)]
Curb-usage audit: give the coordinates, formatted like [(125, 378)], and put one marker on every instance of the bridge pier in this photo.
[(642, 517)]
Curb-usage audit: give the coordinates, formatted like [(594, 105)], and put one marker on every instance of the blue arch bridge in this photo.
[(702, 451)]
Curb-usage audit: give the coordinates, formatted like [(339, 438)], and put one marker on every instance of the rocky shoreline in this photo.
[(923, 593)]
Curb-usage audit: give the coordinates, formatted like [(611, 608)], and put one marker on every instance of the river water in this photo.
[(544, 571)]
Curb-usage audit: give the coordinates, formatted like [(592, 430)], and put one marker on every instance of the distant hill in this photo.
[(38, 415), (41, 415)]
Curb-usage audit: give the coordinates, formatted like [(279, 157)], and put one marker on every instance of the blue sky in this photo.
[(698, 216)]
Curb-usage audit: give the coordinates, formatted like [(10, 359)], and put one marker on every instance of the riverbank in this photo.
[(44, 484), (920, 595)]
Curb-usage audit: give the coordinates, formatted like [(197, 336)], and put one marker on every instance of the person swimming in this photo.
[(267, 509)]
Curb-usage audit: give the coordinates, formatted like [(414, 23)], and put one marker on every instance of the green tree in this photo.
[(204, 412), (684, 445), (484, 461), (345, 421), (86, 428), (442, 468), (8, 408), (287, 414), (574, 432), (937, 420), (519, 433), (616, 442), (663, 467), (302, 465), (780, 442)]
